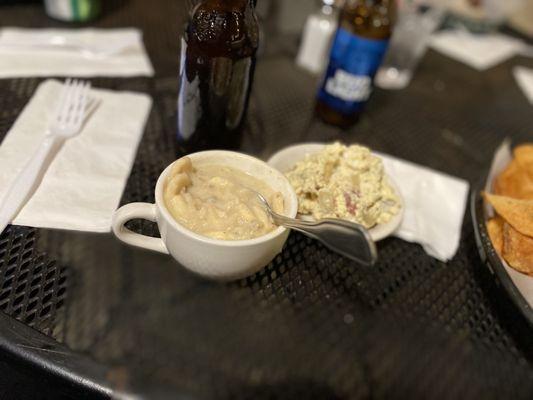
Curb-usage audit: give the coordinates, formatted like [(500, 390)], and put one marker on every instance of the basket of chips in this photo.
[(503, 218)]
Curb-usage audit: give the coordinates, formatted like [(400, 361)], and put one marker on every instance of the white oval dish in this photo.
[(285, 159)]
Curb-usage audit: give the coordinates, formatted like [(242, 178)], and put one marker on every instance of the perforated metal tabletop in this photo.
[(85, 316)]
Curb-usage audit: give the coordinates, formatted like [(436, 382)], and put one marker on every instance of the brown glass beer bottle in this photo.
[(218, 55)]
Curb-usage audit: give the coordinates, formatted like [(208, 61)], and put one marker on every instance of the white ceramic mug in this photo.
[(211, 258)]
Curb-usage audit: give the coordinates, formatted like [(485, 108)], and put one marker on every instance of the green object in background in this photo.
[(84, 10), (73, 10)]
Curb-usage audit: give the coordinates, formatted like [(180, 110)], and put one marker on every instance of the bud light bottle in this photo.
[(360, 43)]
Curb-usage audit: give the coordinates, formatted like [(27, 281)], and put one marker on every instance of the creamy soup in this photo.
[(216, 201)]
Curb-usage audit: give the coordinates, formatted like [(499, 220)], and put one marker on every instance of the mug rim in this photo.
[(160, 203)]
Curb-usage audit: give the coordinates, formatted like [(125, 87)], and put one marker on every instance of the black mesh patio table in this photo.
[(85, 316)]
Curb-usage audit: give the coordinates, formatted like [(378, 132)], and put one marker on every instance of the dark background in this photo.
[(311, 324)]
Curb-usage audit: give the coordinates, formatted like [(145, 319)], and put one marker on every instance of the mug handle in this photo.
[(137, 211)]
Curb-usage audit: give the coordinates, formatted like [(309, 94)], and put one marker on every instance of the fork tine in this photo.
[(62, 117), (85, 100), (80, 110), (74, 102), (62, 98), (80, 105)]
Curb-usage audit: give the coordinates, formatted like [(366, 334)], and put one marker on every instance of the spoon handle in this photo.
[(344, 237)]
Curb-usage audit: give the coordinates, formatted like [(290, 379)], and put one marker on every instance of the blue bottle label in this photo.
[(353, 63)]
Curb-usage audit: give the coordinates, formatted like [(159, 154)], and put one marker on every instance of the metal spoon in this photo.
[(344, 237)]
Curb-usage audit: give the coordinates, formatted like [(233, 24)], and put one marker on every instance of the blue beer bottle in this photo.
[(360, 43)]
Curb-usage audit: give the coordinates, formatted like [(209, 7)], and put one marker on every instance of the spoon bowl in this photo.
[(343, 237)]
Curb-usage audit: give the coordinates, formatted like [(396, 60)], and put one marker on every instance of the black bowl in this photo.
[(490, 257)]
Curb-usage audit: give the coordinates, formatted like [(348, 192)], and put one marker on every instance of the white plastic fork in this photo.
[(65, 123)]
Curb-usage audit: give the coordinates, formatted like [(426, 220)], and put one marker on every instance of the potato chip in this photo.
[(495, 229), (518, 213), (524, 156), (517, 249), (514, 182)]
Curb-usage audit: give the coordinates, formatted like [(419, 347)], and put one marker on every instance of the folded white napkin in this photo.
[(435, 205), (524, 78), (478, 51), (84, 183), (72, 52)]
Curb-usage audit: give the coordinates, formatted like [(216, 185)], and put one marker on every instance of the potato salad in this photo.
[(346, 182)]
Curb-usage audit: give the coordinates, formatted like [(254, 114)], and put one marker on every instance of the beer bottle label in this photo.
[(189, 102), (353, 63)]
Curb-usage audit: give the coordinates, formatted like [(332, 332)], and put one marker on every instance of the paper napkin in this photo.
[(84, 183), (524, 78), (435, 205), (478, 51), (58, 52)]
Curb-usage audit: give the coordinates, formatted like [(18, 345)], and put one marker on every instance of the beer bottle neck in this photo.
[(372, 19)]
